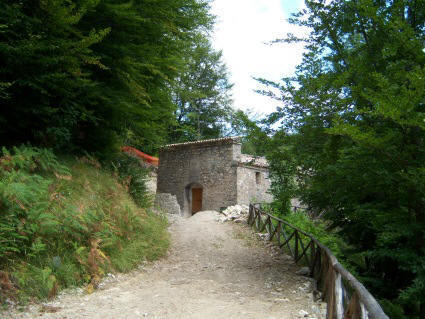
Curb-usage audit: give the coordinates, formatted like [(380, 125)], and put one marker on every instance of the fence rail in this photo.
[(345, 296)]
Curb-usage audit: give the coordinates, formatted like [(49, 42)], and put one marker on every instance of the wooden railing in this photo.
[(345, 296)]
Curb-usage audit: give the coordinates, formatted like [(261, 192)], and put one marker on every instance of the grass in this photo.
[(68, 226)]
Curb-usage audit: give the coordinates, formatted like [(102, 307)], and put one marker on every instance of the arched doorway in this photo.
[(194, 195)]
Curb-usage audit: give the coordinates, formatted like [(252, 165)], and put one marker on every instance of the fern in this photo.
[(58, 229)]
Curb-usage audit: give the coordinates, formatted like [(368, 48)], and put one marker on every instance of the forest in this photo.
[(91, 75), (81, 78), (350, 142)]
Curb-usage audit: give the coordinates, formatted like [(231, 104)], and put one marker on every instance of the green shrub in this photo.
[(66, 225), (25, 200), (133, 174), (315, 227), (318, 229), (393, 310)]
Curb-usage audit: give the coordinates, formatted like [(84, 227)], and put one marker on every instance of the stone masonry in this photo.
[(167, 203), (216, 166)]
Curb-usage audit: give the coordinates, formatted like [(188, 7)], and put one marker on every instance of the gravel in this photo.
[(213, 270)]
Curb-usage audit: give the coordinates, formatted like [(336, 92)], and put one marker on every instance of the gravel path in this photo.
[(213, 270)]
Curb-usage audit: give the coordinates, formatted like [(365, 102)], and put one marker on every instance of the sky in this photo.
[(242, 30)]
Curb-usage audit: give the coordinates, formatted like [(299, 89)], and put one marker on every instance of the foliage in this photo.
[(201, 95), (319, 229), (282, 168), (144, 53), (24, 200), (133, 175), (78, 75), (46, 89), (67, 225), (255, 139), (356, 115)]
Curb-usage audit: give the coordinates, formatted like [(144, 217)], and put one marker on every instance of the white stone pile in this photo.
[(237, 213)]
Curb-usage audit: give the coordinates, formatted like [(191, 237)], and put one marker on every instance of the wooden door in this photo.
[(196, 200)]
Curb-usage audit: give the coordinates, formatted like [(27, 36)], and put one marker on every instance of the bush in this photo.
[(67, 225), (317, 228), (25, 200), (133, 175)]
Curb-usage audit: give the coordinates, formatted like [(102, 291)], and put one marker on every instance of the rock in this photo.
[(167, 203), (305, 271), (49, 309), (237, 213), (151, 182), (264, 237), (303, 313), (281, 300), (316, 295), (305, 288), (180, 282), (315, 309), (10, 302)]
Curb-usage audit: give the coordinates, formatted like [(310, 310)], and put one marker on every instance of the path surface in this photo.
[(213, 270)]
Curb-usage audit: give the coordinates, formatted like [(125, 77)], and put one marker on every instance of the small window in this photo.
[(258, 178)]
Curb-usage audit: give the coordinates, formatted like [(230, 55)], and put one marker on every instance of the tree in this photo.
[(356, 113), (144, 53), (201, 95), (80, 75), (45, 90), (255, 138)]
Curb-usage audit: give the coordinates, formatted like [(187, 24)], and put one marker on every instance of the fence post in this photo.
[(296, 245), (325, 268)]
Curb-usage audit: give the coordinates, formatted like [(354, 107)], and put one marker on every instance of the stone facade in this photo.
[(167, 203), (225, 176)]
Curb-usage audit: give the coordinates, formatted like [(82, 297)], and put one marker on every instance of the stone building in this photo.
[(211, 174)]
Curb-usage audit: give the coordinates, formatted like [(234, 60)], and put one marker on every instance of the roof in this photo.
[(215, 141), (253, 161)]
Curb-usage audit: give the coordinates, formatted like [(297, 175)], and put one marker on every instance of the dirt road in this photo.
[(213, 270)]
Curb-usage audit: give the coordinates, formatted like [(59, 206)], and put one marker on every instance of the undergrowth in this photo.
[(317, 229), (320, 230), (132, 174), (67, 224)]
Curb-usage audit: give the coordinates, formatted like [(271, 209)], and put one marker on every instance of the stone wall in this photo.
[(167, 203), (151, 182), (211, 166), (253, 185)]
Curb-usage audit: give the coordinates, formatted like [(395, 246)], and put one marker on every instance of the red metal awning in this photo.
[(147, 158)]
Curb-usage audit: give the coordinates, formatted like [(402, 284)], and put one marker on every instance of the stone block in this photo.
[(167, 203)]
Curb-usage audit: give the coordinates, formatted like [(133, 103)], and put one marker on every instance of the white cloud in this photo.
[(243, 27)]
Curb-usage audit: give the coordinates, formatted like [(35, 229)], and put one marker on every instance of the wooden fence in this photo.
[(345, 296)]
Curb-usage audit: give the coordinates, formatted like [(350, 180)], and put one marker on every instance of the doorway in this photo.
[(196, 200)]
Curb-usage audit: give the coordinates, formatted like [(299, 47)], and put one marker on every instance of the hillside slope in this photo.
[(67, 224)]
